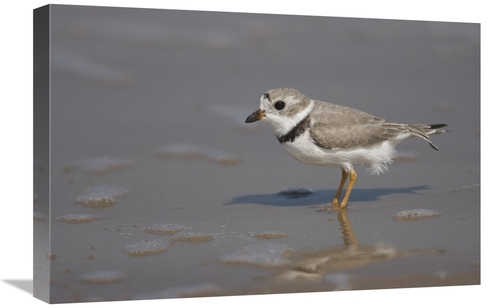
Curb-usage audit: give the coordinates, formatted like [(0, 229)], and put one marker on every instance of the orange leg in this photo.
[(339, 191), (352, 181)]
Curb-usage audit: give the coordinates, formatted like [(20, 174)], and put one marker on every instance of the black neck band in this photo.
[(295, 132)]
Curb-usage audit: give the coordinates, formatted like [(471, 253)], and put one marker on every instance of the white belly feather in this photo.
[(376, 157)]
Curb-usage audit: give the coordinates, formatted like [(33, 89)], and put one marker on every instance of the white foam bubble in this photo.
[(189, 236), (384, 251), (164, 228), (101, 195), (147, 248), (268, 235), (37, 216), (415, 214), (194, 151), (77, 218), (260, 254), (103, 277)]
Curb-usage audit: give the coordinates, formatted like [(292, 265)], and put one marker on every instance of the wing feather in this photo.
[(337, 127)]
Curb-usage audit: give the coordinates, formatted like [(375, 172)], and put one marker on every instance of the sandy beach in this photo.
[(160, 190)]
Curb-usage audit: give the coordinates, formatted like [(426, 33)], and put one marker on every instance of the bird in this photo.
[(325, 134)]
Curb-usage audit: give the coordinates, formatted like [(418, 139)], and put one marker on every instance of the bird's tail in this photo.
[(424, 130)]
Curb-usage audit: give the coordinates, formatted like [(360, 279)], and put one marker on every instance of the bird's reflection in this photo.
[(350, 255), (350, 239)]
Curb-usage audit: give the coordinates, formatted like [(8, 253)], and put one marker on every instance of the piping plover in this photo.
[(325, 134)]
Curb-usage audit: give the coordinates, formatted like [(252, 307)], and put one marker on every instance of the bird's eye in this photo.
[(279, 105)]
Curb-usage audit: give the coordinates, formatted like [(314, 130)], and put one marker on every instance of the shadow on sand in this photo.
[(322, 196)]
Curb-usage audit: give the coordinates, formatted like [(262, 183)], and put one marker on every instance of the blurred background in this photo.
[(147, 114)]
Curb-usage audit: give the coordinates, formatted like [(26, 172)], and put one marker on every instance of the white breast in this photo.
[(376, 157)]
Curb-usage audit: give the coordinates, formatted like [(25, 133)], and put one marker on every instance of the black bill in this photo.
[(256, 116)]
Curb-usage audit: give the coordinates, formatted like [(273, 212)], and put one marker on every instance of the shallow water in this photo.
[(269, 218)]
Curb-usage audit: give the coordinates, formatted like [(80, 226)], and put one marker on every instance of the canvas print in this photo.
[(196, 154)]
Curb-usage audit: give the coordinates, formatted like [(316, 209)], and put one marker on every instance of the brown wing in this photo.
[(337, 127)]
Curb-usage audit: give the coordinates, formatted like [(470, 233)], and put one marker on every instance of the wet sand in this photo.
[(147, 128)]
